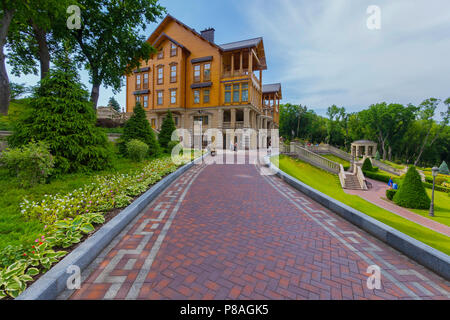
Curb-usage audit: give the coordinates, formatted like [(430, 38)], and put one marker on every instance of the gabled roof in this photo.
[(164, 36), (249, 43), (272, 88), (166, 21)]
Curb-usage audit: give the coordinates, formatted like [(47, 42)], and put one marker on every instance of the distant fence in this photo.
[(387, 168), (314, 159), (329, 149)]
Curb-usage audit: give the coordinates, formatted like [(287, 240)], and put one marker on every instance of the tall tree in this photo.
[(108, 43), (113, 103), (427, 111)]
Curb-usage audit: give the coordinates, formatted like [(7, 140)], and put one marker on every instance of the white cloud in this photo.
[(324, 54)]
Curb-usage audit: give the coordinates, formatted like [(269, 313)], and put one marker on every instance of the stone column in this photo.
[(233, 118), (220, 119), (246, 118)]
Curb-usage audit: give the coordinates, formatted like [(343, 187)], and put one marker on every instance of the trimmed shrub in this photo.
[(61, 114), (172, 145), (167, 128), (31, 163), (377, 156), (436, 187), (376, 176), (137, 150), (138, 127), (444, 168), (367, 165), (390, 193), (412, 194)]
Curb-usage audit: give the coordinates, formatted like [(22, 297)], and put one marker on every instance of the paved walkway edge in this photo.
[(429, 257), (53, 282)]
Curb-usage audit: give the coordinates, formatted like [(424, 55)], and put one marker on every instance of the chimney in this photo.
[(208, 34)]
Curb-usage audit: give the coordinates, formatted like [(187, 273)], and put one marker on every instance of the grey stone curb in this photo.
[(429, 257), (53, 282)]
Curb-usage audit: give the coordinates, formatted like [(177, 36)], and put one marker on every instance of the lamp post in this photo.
[(435, 171)]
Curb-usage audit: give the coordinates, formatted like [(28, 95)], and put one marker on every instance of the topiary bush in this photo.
[(377, 156), (31, 163), (367, 165), (444, 168), (390, 193), (412, 193), (167, 128), (61, 114), (137, 150), (138, 127)]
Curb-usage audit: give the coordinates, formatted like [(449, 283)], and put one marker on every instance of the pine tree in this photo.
[(167, 128), (444, 168), (113, 103), (61, 114), (412, 193), (377, 156), (138, 127)]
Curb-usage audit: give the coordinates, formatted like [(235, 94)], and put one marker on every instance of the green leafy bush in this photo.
[(137, 150), (367, 165), (61, 114), (13, 278), (167, 128), (172, 145), (412, 193), (444, 168), (376, 176), (31, 163), (138, 127), (436, 187), (390, 193)]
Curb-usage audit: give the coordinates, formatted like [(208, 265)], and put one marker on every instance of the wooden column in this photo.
[(250, 62), (233, 118), (240, 62), (246, 117), (232, 64)]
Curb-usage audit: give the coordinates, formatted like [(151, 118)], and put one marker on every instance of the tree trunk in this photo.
[(422, 147), (4, 80), (390, 153), (44, 54), (95, 92)]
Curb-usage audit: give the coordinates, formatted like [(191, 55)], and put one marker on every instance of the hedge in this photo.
[(436, 187), (390, 193)]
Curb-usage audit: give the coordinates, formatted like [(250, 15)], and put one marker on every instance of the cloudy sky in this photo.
[(323, 52)]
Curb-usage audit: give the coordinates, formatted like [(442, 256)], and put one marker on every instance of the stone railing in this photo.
[(361, 178), (385, 167), (326, 148), (314, 158), (342, 176)]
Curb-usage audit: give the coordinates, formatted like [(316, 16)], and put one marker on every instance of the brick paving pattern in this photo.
[(227, 232)]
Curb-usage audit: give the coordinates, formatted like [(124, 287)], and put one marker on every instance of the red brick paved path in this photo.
[(226, 232)]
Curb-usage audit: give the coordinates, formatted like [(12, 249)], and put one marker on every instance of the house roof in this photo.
[(249, 43), (271, 88), (164, 36)]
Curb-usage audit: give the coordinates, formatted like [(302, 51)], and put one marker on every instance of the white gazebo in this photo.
[(362, 148)]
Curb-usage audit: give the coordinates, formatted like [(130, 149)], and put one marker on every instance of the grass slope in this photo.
[(334, 158), (329, 184)]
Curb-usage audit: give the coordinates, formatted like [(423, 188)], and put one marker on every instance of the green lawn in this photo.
[(329, 184), (393, 164), (441, 207), (334, 158)]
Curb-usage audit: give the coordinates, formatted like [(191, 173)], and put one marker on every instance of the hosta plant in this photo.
[(13, 278)]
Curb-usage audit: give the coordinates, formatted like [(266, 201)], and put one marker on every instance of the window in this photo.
[(160, 75), (175, 119), (173, 49), (138, 99), (161, 53), (196, 96), (145, 80), (173, 73), (228, 93), (138, 81), (173, 96), (206, 96), (244, 92), (153, 123), (202, 119), (236, 92), (160, 97), (197, 73), (207, 72), (145, 103)]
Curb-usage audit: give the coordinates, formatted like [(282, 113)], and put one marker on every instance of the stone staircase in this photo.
[(352, 182)]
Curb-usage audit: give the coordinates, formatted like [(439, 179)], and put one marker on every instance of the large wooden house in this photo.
[(217, 85)]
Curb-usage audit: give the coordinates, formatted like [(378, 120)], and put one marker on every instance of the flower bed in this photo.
[(70, 217)]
